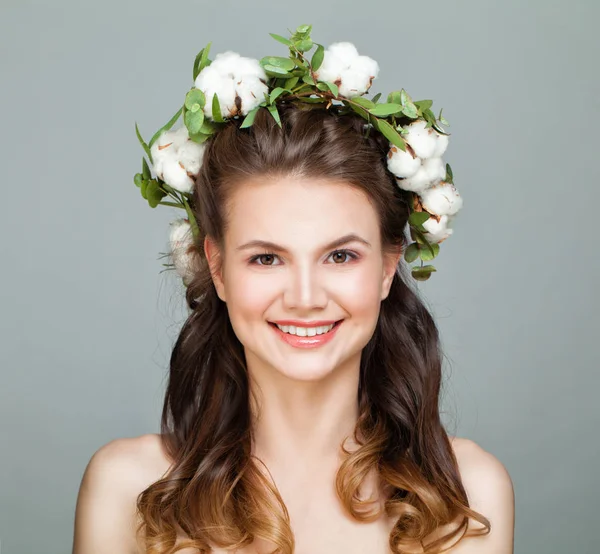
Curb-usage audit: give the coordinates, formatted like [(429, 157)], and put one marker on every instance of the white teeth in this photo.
[(305, 331)]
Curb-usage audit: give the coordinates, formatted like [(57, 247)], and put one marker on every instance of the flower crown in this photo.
[(232, 87)]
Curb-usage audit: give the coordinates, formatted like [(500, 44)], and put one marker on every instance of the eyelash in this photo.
[(349, 253)]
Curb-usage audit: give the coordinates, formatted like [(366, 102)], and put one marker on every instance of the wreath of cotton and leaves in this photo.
[(336, 78)]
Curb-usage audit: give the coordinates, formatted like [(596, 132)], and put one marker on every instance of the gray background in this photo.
[(88, 321)]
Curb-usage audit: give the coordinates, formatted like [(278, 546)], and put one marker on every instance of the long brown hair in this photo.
[(215, 492)]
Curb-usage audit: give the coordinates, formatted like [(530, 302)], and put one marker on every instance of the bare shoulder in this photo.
[(105, 515), (490, 491)]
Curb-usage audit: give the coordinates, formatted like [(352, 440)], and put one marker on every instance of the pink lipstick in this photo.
[(306, 342)]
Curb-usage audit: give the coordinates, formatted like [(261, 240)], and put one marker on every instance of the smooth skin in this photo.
[(307, 396)]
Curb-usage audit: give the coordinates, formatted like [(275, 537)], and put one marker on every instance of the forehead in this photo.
[(284, 207)]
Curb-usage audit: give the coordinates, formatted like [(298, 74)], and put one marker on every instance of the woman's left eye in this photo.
[(347, 253)]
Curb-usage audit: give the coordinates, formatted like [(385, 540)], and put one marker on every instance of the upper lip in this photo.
[(297, 323)]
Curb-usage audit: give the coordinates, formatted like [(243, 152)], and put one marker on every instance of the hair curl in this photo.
[(215, 492)]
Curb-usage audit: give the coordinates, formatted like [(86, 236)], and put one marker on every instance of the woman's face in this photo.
[(299, 277)]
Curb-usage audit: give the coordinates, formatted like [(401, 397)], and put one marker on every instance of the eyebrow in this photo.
[(352, 237)]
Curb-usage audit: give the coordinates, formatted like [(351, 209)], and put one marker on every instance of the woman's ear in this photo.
[(390, 264), (213, 256)]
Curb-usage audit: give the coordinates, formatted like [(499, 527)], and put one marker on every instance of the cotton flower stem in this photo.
[(173, 194), (191, 218), (173, 204)]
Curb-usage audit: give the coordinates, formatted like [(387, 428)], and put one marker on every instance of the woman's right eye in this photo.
[(254, 259)]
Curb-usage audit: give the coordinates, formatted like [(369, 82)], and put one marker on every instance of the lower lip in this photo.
[(306, 342)]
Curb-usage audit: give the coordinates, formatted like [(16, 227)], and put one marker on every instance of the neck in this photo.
[(303, 423)]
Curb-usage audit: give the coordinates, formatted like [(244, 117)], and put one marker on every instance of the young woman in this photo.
[(301, 412)]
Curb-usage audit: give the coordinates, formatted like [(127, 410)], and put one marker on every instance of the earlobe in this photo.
[(212, 254)]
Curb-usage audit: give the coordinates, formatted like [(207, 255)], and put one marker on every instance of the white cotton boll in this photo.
[(440, 145), (344, 66), (436, 169), (181, 241), (365, 65), (430, 172), (226, 62), (229, 76), (354, 84), (401, 163), (249, 67), (190, 155), (209, 78), (346, 52), (417, 183), (180, 234), (422, 140), (166, 147), (331, 68), (251, 92), (157, 160), (441, 199), (438, 231), (176, 176), (171, 140), (226, 94)]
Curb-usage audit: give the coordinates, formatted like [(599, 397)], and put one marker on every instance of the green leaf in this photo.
[(146, 170), (138, 179), (411, 253), (405, 97), (154, 194), (166, 127), (200, 137), (364, 102), (449, 177), (275, 114), (196, 68), (276, 93), (430, 251), (317, 58), (249, 119), (377, 97), (442, 120), (410, 110), (278, 61), (333, 88), (204, 58), (360, 111), (275, 71), (144, 145), (384, 110), (291, 82), (304, 29), (423, 104), (201, 61), (429, 116), (308, 79), (194, 121), (395, 97), (216, 109), (281, 39), (418, 218), (143, 188), (304, 45), (195, 97), (389, 133), (422, 273)]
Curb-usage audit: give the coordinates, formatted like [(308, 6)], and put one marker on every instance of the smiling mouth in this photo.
[(334, 325)]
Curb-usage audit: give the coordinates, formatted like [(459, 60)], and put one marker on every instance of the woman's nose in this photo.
[(305, 290)]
